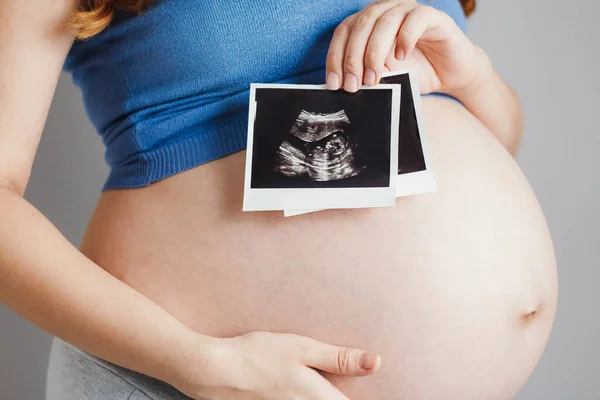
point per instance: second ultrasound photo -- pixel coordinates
(415, 170)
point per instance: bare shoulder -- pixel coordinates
(48, 17)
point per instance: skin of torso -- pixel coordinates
(456, 289)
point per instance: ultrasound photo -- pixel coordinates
(415, 171)
(410, 151)
(308, 145)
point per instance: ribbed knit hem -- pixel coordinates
(179, 156)
(184, 154)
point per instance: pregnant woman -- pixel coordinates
(176, 293)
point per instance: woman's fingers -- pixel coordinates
(347, 49)
(354, 68)
(355, 50)
(362, 43)
(337, 50)
(423, 22)
(338, 360)
(383, 37)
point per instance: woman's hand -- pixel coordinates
(391, 34)
(273, 366)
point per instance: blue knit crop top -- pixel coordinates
(168, 90)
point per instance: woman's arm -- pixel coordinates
(494, 103)
(42, 276)
(48, 281)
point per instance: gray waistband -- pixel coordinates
(74, 375)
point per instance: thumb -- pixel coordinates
(339, 360)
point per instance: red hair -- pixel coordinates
(91, 18)
(468, 6)
(94, 16)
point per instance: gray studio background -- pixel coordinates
(548, 51)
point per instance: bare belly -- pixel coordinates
(456, 290)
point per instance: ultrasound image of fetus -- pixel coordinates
(318, 147)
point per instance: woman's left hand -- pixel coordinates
(391, 34)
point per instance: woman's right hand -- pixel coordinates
(274, 366)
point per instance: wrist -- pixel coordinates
(190, 354)
(482, 73)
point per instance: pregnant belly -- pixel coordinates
(456, 290)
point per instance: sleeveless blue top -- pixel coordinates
(168, 90)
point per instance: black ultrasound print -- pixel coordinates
(318, 138)
(319, 147)
(410, 150)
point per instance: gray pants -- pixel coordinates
(76, 375)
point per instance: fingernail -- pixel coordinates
(370, 77)
(351, 83)
(333, 81)
(400, 53)
(368, 360)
